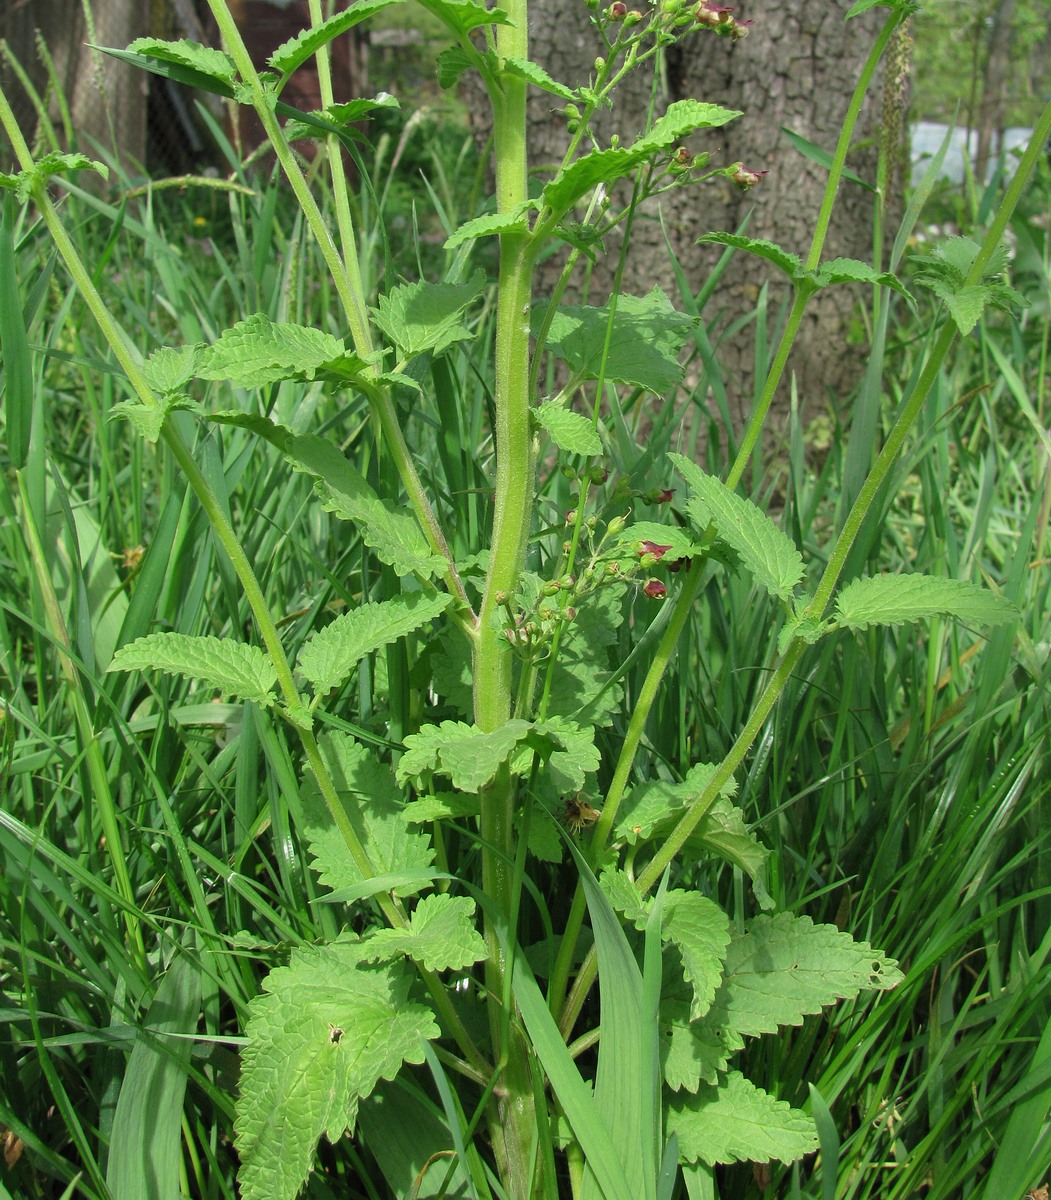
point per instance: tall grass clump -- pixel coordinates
(409, 787)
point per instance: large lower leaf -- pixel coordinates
(441, 935)
(374, 806)
(784, 967)
(736, 1122)
(325, 1031)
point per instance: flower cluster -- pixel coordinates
(721, 19)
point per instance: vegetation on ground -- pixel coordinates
(755, 730)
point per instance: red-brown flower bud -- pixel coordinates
(655, 589)
(746, 177)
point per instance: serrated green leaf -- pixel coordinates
(355, 110)
(536, 75)
(441, 935)
(738, 1122)
(862, 6)
(221, 663)
(621, 892)
(24, 182)
(570, 431)
(723, 831)
(957, 254)
(648, 334)
(393, 535)
(785, 967)
(321, 1036)
(328, 656)
(148, 419)
(852, 270)
(584, 174)
(453, 63)
(257, 351)
(606, 166)
(170, 368)
(765, 550)
(461, 16)
(701, 931)
(338, 117)
(693, 1052)
(426, 316)
(648, 808)
(373, 802)
(966, 305)
(897, 599)
(791, 264)
(441, 807)
(682, 118)
(293, 53)
(215, 64)
(545, 837)
(489, 225)
(567, 750)
(469, 757)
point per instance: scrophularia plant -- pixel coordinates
(442, 854)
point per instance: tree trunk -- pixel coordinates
(107, 100)
(994, 89)
(797, 69)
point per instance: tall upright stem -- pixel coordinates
(513, 1119)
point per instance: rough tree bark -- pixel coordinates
(797, 69)
(991, 116)
(107, 100)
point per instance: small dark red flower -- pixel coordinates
(655, 589)
(665, 495)
(653, 548)
(746, 177)
(713, 14)
(679, 564)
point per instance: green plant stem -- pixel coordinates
(340, 191)
(253, 592)
(513, 1123)
(347, 282)
(687, 594)
(823, 594)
